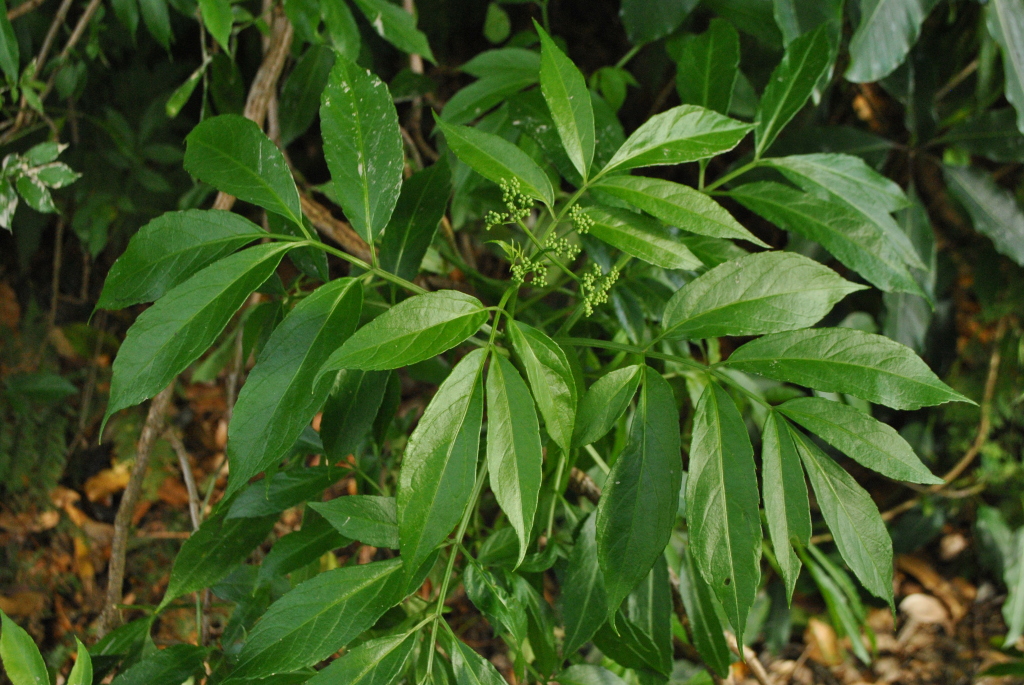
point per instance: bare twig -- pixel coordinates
(957, 79)
(583, 485)
(123, 520)
(186, 475)
(335, 229)
(58, 250)
(23, 9)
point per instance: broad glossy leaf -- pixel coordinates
(363, 146)
(796, 17)
(170, 666)
(992, 134)
(682, 134)
(649, 608)
(846, 360)
(806, 60)
(852, 517)
(366, 518)
(722, 505)
(630, 646)
(497, 160)
(170, 249)
(232, 154)
(413, 225)
(217, 18)
(415, 329)
(588, 674)
(677, 205)
(640, 236)
(529, 113)
(503, 610)
(786, 507)
(708, 66)
(761, 293)
(214, 550)
(22, 661)
(994, 211)
(81, 672)
(638, 507)
(603, 404)
(157, 20)
(583, 599)
(317, 618)
(514, 454)
(471, 668)
(300, 94)
(439, 465)
(518, 61)
(569, 101)
(851, 237)
(285, 489)
(280, 396)
(479, 97)
(848, 179)
(341, 28)
(350, 410)
(708, 632)
(396, 26)
(868, 441)
(300, 548)
(171, 334)
(375, 662)
(887, 31)
(550, 376)
(648, 20)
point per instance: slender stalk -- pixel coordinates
(731, 175)
(624, 60)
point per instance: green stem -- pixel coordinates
(557, 491)
(624, 60)
(731, 175)
(498, 311)
(541, 249)
(377, 271)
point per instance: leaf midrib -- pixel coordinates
(280, 201)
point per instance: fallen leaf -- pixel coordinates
(822, 643)
(172, 492)
(27, 603)
(108, 482)
(933, 582)
(10, 309)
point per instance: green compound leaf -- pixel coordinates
(887, 31)
(567, 96)
(81, 672)
(551, 380)
(396, 26)
(603, 404)
(300, 548)
(846, 360)
(583, 600)
(233, 155)
(170, 249)
(21, 658)
(175, 664)
(868, 441)
(171, 334)
(497, 160)
(682, 134)
(708, 67)
(640, 236)
(363, 146)
(350, 411)
(588, 674)
(708, 631)
(439, 466)
(413, 225)
(994, 211)
(722, 505)
(471, 668)
(375, 662)
(1005, 22)
(514, 455)
(761, 293)
(415, 329)
(640, 501)
(370, 520)
(280, 396)
(217, 18)
(677, 205)
(786, 506)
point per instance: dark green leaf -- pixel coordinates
(368, 519)
(503, 610)
(839, 609)
(569, 101)
(603, 404)
(994, 211)
(375, 662)
(760, 293)
(497, 25)
(170, 666)
(350, 410)
(682, 134)
(640, 501)
(232, 154)
(854, 239)
(519, 61)
(413, 225)
(852, 517)
(640, 236)
(415, 329)
(217, 18)
(992, 134)
(648, 20)
(708, 632)
(514, 453)
(677, 205)
(588, 674)
(887, 31)
(280, 395)
(22, 661)
(529, 113)
(300, 94)
(471, 668)
(342, 27)
(127, 12)
(214, 550)
(868, 441)
(722, 505)
(317, 618)
(363, 145)
(649, 608)
(300, 548)
(630, 646)
(285, 489)
(547, 369)
(9, 58)
(786, 507)
(479, 97)
(157, 20)
(171, 334)
(439, 465)
(396, 26)
(806, 60)
(708, 66)
(497, 160)
(1013, 608)
(796, 17)
(865, 365)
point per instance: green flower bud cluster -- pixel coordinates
(537, 267)
(580, 221)
(594, 287)
(561, 247)
(518, 204)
